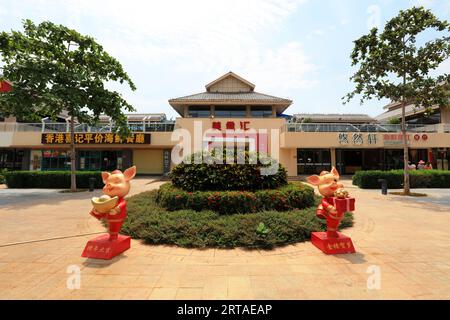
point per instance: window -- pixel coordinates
(199, 111)
(11, 159)
(55, 160)
(313, 161)
(261, 111)
(89, 160)
(230, 112)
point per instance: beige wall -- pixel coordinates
(148, 161)
(230, 84)
(445, 115)
(330, 140)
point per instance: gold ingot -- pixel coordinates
(105, 203)
(341, 193)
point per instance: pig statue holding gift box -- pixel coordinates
(335, 203)
(111, 207)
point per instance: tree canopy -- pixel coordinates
(393, 66)
(55, 69)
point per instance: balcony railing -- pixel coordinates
(65, 127)
(348, 127)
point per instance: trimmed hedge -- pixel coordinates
(188, 228)
(214, 174)
(51, 179)
(291, 196)
(418, 179)
(2, 175)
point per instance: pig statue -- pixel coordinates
(117, 186)
(334, 204)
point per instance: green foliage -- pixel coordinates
(392, 66)
(188, 228)
(394, 120)
(230, 202)
(418, 179)
(54, 69)
(213, 173)
(50, 179)
(2, 175)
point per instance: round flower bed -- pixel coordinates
(189, 228)
(288, 197)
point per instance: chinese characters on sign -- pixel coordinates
(394, 139)
(357, 138)
(95, 138)
(230, 125)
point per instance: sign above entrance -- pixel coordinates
(95, 138)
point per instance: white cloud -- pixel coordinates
(200, 37)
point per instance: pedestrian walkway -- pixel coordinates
(406, 240)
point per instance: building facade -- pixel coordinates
(230, 111)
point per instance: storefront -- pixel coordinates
(311, 161)
(14, 159)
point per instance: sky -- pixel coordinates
(296, 49)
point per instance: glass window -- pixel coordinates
(230, 111)
(261, 111)
(199, 111)
(313, 161)
(89, 160)
(55, 160)
(11, 159)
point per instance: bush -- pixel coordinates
(418, 179)
(188, 228)
(50, 179)
(228, 202)
(2, 175)
(208, 175)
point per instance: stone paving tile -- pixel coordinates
(407, 241)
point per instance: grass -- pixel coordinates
(202, 229)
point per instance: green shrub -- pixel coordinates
(2, 175)
(214, 174)
(50, 179)
(418, 179)
(188, 228)
(284, 198)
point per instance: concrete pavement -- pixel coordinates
(405, 240)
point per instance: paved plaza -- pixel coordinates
(43, 233)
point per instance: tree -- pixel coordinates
(392, 66)
(55, 69)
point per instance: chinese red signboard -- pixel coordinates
(231, 125)
(95, 138)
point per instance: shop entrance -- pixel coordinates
(105, 160)
(313, 161)
(348, 161)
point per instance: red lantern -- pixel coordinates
(424, 137)
(416, 137)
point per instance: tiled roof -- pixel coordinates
(397, 113)
(231, 96)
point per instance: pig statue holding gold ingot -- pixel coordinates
(112, 207)
(335, 203)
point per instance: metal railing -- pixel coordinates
(65, 127)
(348, 127)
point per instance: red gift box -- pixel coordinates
(344, 204)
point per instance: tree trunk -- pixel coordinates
(406, 189)
(73, 178)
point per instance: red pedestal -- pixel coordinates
(102, 248)
(341, 244)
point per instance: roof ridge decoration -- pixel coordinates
(227, 75)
